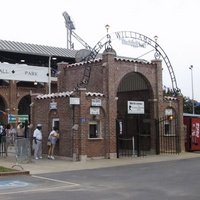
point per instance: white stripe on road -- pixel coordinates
(69, 185)
(56, 180)
(40, 190)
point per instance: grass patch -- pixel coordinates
(5, 169)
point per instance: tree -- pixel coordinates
(187, 102)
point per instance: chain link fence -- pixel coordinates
(23, 150)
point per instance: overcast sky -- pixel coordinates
(175, 22)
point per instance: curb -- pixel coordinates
(14, 173)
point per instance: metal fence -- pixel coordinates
(167, 139)
(134, 146)
(23, 150)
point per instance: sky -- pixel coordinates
(175, 22)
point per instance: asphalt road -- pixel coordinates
(175, 180)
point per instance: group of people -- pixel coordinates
(9, 133)
(51, 143)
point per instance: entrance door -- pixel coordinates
(134, 139)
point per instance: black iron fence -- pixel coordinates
(167, 139)
(138, 145)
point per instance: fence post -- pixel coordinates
(157, 136)
(133, 145)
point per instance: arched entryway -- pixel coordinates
(134, 129)
(3, 114)
(24, 106)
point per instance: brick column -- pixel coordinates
(13, 104)
(111, 108)
(83, 129)
(180, 125)
(157, 100)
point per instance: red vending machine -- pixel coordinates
(192, 139)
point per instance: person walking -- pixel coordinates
(52, 140)
(37, 137)
(8, 138)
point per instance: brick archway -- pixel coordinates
(3, 114)
(134, 130)
(24, 105)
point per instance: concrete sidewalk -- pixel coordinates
(48, 166)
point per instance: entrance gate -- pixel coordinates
(167, 140)
(138, 143)
(133, 136)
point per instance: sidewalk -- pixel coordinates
(48, 166)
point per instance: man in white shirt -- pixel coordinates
(37, 137)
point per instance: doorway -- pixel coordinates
(134, 130)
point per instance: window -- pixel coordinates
(94, 129)
(55, 123)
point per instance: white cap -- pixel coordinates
(39, 125)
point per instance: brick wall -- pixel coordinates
(105, 77)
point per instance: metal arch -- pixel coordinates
(106, 42)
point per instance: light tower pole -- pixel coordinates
(191, 68)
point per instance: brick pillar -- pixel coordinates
(83, 129)
(13, 104)
(111, 107)
(180, 125)
(157, 100)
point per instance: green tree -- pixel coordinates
(187, 102)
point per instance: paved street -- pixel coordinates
(177, 180)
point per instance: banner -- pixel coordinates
(23, 72)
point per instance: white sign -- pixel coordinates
(96, 102)
(22, 72)
(135, 107)
(94, 111)
(53, 105)
(74, 101)
(133, 43)
(168, 111)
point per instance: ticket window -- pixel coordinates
(55, 123)
(94, 129)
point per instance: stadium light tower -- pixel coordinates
(191, 68)
(70, 27)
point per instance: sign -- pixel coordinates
(135, 107)
(138, 40)
(22, 72)
(94, 111)
(168, 111)
(17, 118)
(133, 43)
(96, 102)
(74, 101)
(53, 105)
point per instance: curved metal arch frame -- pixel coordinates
(106, 42)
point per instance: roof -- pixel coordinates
(169, 98)
(42, 50)
(66, 94)
(120, 58)
(54, 95)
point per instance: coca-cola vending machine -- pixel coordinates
(192, 139)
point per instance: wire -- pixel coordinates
(145, 53)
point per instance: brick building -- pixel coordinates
(17, 61)
(122, 108)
